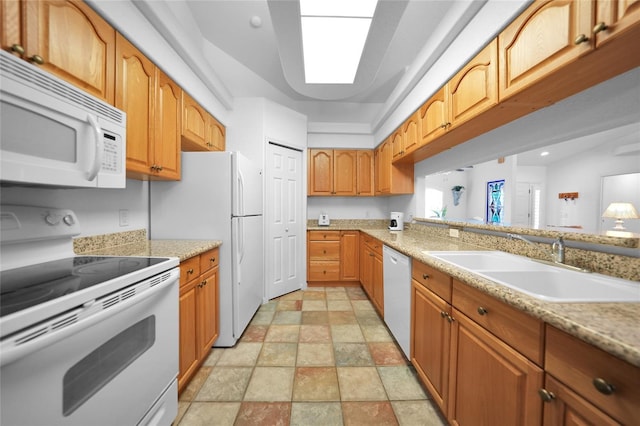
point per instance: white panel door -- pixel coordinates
(285, 254)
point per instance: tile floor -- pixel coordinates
(316, 357)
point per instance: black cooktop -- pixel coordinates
(22, 288)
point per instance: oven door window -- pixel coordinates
(97, 369)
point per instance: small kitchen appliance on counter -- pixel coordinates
(323, 220)
(396, 222)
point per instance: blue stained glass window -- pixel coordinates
(495, 201)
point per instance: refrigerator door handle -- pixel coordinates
(240, 194)
(240, 240)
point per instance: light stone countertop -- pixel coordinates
(613, 327)
(182, 249)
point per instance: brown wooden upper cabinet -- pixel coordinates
(614, 17)
(152, 103)
(433, 117)
(200, 130)
(410, 131)
(340, 172)
(545, 37)
(65, 38)
(391, 178)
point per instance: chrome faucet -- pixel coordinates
(557, 248)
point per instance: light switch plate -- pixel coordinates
(454, 233)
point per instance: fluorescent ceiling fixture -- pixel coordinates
(544, 153)
(333, 36)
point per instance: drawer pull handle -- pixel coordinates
(582, 38)
(600, 26)
(603, 387)
(190, 271)
(213, 259)
(443, 314)
(482, 311)
(425, 276)
(546, 396)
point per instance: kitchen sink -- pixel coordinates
(542, 281)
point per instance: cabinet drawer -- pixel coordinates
(209, 260)
(434, 280)
(324, 235)
(374, 244)
(577, 364)
(324, 271)
(519, 330)
(324, 250)
(189, 269)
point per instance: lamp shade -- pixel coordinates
(620, 211)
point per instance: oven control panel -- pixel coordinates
(27, 223)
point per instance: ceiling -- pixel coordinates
(272, 50)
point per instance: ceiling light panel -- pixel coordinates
(334, 33)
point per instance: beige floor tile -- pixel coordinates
(401, 383)
(278, 354)
(182, 408)
(254, 333)
(314, 295)
(360, 384)
(337, 294)
(243, 354)
(315, 354)
(376, 333)
(352, 355)
(213, 357)
(362, 305)
(289, 305)
(342, 318)
(283, 333)
(368, 318)
(315, 334)
(211, 414)
(287, 317)
(414, 413)
(347, 333)
(264, 413)
(195, 384)
(225, 384)
(316, 384)
(270, 384)
(269, 306)
(386, 353)
(314, 305)
(316, 414)
(315, 288)
(315, 318)
(295, 295)
(339, 305)
(262, 318)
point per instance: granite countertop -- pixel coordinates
(182, 249)
(613, 327)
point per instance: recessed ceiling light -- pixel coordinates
(544, 153)
(255, 21)
(334, 33)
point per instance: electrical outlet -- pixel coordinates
(124, 217)
(454, 233)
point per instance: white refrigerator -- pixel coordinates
(218, 198)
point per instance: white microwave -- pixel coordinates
(53, 133)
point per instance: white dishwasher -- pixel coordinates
(397, 296)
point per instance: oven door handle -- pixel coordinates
(88, 315)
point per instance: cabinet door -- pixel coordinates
(433, 118)
(566, 408)
(344, 172)
(384, 167)
(194, 125)
(489, 382)
(430, 339)
(73, 42)
(320, 172)
(474, 89)
(366, 267)
(11, 25)
(614, 17)
(541, 40)
(166, 146)
(216, 135)
(134, 95)
(410, 137)
(364, 167)
(377, 283)
(349, 258)
(188, 352)
(207, 312)
(397, 144)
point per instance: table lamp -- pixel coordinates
(620, 211)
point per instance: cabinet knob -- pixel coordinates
(37, 59)
(582, 38)
(16, 48)
(190, 271)
(603, 386)
(425, 276)
(600, 26)
(203, 283)
(324, 252)
(159, 168)
(482, 311)
(545, 395)
(213, 259)
(443, 314)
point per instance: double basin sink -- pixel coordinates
(542, 281)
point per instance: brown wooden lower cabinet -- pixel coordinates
(199, 301)
(333, 257)
(371, 271)
(485, 362)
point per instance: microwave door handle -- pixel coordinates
(97, 158)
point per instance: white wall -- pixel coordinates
(97, 209)
(349, 207)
